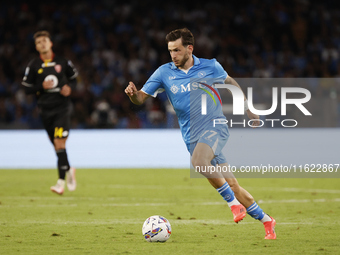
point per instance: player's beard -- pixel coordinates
(183, 61)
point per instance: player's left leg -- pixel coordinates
(64, 169)
(63, 163)
(61, 132)
(253, 209)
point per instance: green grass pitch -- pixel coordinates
(106, 213)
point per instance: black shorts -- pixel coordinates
(57, 120)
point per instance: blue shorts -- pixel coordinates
(216, 138)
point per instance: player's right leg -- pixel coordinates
(48, 119)
(64, 169)
(201, 159)
(253, 209)
(241, 194)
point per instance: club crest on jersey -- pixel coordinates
(174, 89)
(57, 68)
(201, 74)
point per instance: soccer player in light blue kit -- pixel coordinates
(180, 78)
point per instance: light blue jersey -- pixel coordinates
(185, 91)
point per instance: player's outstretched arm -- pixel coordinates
(251, 115)
(136, 96)
(230, 80)
(255, 117)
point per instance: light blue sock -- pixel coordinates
(226, 192)
(255, 211)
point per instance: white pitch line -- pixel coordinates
(322, 200)
(147, 187)
(40, 205)
(158, 187)
(140, 221)
(330, 191)
(327, 191)
(221, 222)
(60, 198)
(176, 204)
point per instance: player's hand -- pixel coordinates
(65, 90)
(254, 117)
(48, 84)
(131, 89)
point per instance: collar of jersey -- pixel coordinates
(47, 60)
(196, 62)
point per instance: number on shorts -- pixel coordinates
(212, 134)
(58, 132)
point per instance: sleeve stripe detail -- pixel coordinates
(26, 84)
(74, 76)
(149, 94)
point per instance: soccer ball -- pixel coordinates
(156, 229)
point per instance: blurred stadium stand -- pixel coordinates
(113, 42)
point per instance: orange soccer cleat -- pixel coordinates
(239, 212)
(269, 227)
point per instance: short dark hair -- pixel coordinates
(41, 33)
(184, 33)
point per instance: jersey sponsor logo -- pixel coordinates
(174, 89)
(48, 64)
(40, 70)
(172, 77)
(57, 68)
(191, 86)
(194, 86)
(185, 88)
(53, 78)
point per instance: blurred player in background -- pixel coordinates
(204, 142)
(51, 78)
